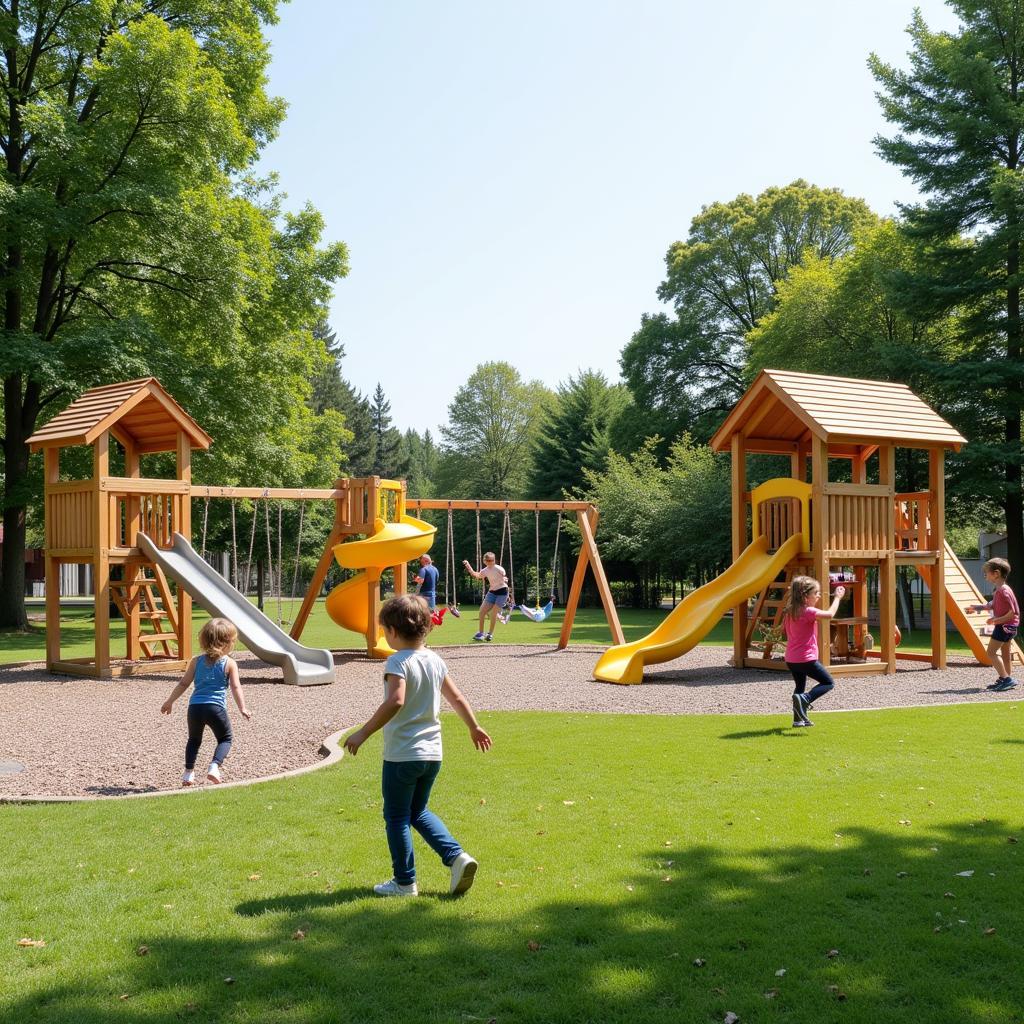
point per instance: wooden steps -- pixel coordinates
(139, 597)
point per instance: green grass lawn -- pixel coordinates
(632, 869)
(590, 627)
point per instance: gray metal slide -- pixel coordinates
(302, 666)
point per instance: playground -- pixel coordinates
(473, 642)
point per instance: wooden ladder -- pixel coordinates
(140, 592)
(770, 607)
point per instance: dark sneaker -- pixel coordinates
(998, 682)
(1006, 684)
(488, 636)
(479, 636)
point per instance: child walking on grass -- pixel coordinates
(1005, 618)
(213, 673)
(415, 678)
(800, 623)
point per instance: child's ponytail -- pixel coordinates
(800, 590)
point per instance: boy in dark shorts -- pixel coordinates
(1005, 618)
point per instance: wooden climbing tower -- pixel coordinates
(96, 521)
(841, 435)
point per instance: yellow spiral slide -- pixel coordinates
(348, 604)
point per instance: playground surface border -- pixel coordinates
(83, 738)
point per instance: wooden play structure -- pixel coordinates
(820, 423)
(97, 521)
(129, 528)
(788, 526)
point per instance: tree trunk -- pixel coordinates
(17, 429)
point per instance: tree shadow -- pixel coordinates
(869, 926)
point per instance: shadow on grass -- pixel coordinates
(869, 927)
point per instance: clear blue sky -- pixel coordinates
(508, 177)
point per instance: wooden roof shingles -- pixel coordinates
(158, 418)
(835, 409)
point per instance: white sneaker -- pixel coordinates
(463, 873)
(189, 778)
(213, 772)
(394, 888)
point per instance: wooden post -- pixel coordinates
(887, 569)
(131, 571)
(401, 571)
(100, 557)
(372, 578)
(739, 542)
(819, 538)
(937, 533)
(51, 474)
(587, 522)
(184, 467)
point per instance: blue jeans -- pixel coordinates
(406, 787)
(802, 669)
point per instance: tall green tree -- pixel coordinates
(389, 460)
(575, 433)
(492, 422)
(332, 391)
(685, 370)
(959, 115)
(133, 239)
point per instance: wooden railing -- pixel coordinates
(857, 517)
(153, 507)
(70, 515)
(779, 519)
(913, 522)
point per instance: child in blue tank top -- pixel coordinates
(212, 674)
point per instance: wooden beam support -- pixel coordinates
(937, 535)
(819, 537)
(887, 568)
(184, 471)
(739, 542)
(101, 565)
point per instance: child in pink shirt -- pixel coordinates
(800, 624)
(1005, 618)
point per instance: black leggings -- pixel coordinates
(802, 669)
(199, 717)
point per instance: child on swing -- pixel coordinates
(1005, 618)
(497, 592)
(800, 624)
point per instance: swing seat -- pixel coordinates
(454, 612)
(537, 614)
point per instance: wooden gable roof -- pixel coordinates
(782, 407)
(140, 411)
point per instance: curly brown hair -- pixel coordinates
(408, 615)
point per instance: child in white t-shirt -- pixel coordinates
(497, 592)
(415, 678)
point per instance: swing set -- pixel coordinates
(589, 556)
(135, 533)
